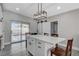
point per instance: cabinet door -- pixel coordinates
(31, 45)
(40, 28)
(46, 27)
(40, 48)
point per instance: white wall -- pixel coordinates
(8, 18)
(68, 26)
(0, 12)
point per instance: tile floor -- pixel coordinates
(19, 49)
(16, 49)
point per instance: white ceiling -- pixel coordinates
(28, 9)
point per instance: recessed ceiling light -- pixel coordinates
(58, 7)
(17, 9)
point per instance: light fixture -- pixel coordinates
(58, 7)
(17, 9)
(41, 15)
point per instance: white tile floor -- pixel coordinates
(17, 49)
(17, 38)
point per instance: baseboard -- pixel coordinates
(13, 42)
(74, 48)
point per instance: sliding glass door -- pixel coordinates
(25, 29)
(18, 31)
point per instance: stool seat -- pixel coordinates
(58, 51)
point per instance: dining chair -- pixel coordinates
(58, 51)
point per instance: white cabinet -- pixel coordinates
(40, 28)
(40, 48)
(35, 47)
(46, 27)
(31, 45)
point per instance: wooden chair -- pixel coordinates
(58, 51)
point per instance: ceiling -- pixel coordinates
(28, 9)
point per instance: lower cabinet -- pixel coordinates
(31, 46)
(40, 48)
(36, 47)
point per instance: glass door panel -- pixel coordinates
(16, 31)
(25, 29)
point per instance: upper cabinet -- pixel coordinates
(40, 28)
(1, 13)
(46, 27)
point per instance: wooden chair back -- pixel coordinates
(69, 47)
(68, 50)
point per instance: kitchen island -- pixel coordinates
(39, 45)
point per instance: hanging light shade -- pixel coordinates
(41, 15)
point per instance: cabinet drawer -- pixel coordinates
(40, 51)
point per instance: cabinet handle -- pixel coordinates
(39, 42)
(39, 47)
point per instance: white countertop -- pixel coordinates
(48, 39)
